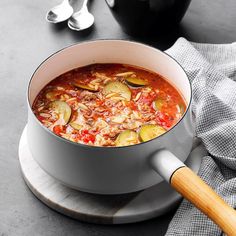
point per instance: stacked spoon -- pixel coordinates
(78, 21)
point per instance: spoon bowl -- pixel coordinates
(60, 12)
(81, 19)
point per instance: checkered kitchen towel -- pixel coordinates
(212, 71)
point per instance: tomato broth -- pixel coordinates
(109, 105)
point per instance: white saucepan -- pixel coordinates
(116, 170)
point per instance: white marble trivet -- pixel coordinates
(102, 209)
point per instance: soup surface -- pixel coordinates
(109, 105)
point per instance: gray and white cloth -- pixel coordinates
(212, 72)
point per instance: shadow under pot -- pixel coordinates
(139, 17)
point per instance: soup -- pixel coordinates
(109, 105)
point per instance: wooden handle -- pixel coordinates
(194, 189)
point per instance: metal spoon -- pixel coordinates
(60, 12)
(81, 19)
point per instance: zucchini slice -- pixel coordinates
(149, 131)
(181, 108)
(126, 138)
(53, 95)
(158, 104)
(62, 108)
(84, 86)
(76, 126)
(136, 82)
(119, 88)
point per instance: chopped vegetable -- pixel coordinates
(127, 137)
(53, 95)
(62, 108)
(119, 88)
(158, 104)
(76, 126)
(87, 137)
(136, 82)
(181, 108)
(124, 74)
(149, 131)
(86, 87)
(58, 129)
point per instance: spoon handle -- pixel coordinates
(66, 2)
(84, 4)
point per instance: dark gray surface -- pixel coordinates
(27, 39)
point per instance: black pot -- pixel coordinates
(147, 16)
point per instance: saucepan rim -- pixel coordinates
(100, 40)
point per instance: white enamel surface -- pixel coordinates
(97, 169)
